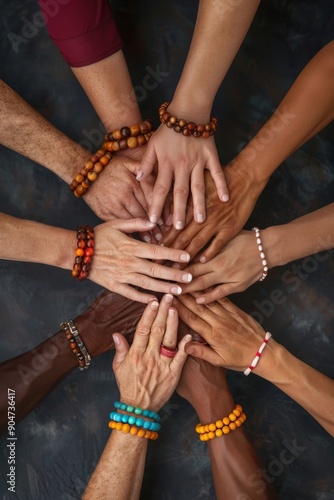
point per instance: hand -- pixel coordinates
(224, 221)
(120, 261)
(233, 335)
(184, 160)
(108, 312)
(235, 267)
(145, 377)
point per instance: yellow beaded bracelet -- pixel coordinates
(135, 431)
(221, 426)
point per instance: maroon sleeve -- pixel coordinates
(83, 30)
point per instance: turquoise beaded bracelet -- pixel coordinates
(137, 410)
(132, 420)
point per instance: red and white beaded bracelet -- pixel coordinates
(258, 354)
(262, 255)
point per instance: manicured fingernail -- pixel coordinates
(188, 337)
(169, 298)
(158, 236)
(185, 257)
(178, 225)
(146, 238)
(201, 300)
(154, 219)
(199, 218)
(139, 175)
(202, 259)
(171, 312)
(177, 290)
(150, 223)
(160, 221)
(187, 277)
(224, 197)
(116, 339)
(154, 305)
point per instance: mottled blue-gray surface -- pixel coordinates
(60, 442)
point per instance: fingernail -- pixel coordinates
(154, 305)
(150, 224)
(202, 259)
(160, 222)
(177, 290)
(146, 238)
(185, 257)
(171, 312)
(187, 277)
(199, 218)
(178, 225)
(225, 197)
(201, 300)
(188, 337)
(139, 175)
(158, 236)
(169, 298)
(116, 339)
(154, 219)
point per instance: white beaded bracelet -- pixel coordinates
(258, 354)
(262, 255)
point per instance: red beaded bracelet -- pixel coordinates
(186, 128)
(84, 252)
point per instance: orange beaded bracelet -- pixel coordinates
(221, 426)
(90, 172)
(135, 431)
(186, 128)
(128, 137)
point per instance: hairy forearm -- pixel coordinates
(296, 119)
(119, 473)
(25, 131)
(30, 241)
(304, 236)
(219, 31)
(308, 387)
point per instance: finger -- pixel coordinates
(181, 356)
(160, 323)
(222, 238)
(218, 293)
(158, 252)
(198, 194)
(135, 208)
(143, 330)
(201, 283)
(154, 285)
(181, 193)
(160, 192)
(229, 306)
(147, 163)
(170, 337)
(122, 349)
(157, 271)
(202, 311)
(190, 318)
(204, 352)
(218, 178)
(133, 294)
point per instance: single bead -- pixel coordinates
(73, 185)
(202, 437)
(115, 146)
(123, 406)
(87, 259)
(86, 183)
(79, 178)
(110, 424)
(147, 424)
(237, 412)
(92, 176)
(135, 130)
(264, 262)
(104, 160)
(232, 417)
(125, 428)
(89, 251)
(100, 153)
(205, 134)
(191, 126)
(89, 165)
(123, 144)
(132, 142)
(146, 413)
(73, 345)
(118, 417)
(237, 422)
(207, 428)
(85, 268)
(226, 429)
(125, 419)
(177, 129)
(138, 411)
(130, 408)
(117, 134)
(132, 420)
(148, 434)
(133, 431)
(94, 158)
(169, 125)
(182, 123)
(173, 119)
(83, 172)
(149, 124)
(90, 243)
(125, 132)
(143, 128)
(212, 427)
(81, 190)
(212, 435)
(98, 167)
(141, 140)
(79, 252)
(260, 248)
(139, 422)
(141, 433)
(219, 432)
(219, 424)
(109, 146)
(165, 116)
(81, 244)
(78, 260)
(186, 132)
(258, 241)
(200, 128)
(239, 407)
(118, 426)
(226, 420)
(197, 428)
(208, 127)
(262, 255)
(197, 134)
(232, 426)
(74, 273)
(117, 404)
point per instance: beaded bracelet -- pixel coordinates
(258, 354)
(184, 127)
(84, 252)
(127, 429)
(262, 255)
(90, 172)
(137, 410)
(128, 137)
(221, 426)
(132, 420)
(76, 344)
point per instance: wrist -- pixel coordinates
(190, 108)
(272, 363)
(215, 407)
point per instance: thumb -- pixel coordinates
(203, 352)
(122, 349)
(147, 164)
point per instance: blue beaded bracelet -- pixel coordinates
(138, 411)
(132, 420)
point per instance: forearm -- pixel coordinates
(30, 241)
(219, 31)
(33, 375)
(308, 387)
(296, 119)
(304, 236)
(25, 131)
(119, 473)
(234, 462)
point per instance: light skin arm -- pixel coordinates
(215, 322)
(281, 244)
(219, 31)
(295, 121)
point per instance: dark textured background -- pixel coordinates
(60, 442)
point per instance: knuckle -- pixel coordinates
(198, 242)
(158, 329)
(143, 330)
(160, 189)
(181, 191)
(202, 283)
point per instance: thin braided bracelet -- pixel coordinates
(76, 344)
(258, 354)
(262, 255)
